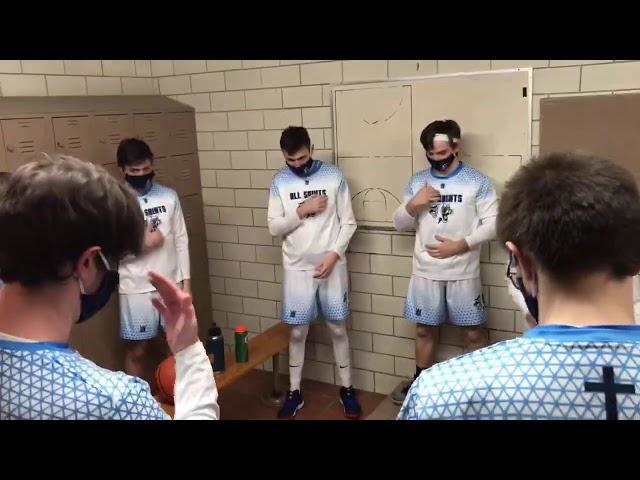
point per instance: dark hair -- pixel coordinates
(574, 214)
(4, 179)
(133, 151)
(448, 127)
(54, 209)
(294, 138)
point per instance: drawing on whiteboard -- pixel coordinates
(387, 118)
(375, 204)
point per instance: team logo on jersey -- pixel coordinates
(433, 211)
(445, 211)
(292, 314)
(479, 302)
(418, 312)
(155, 222)
(344, 298)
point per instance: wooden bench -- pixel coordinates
(267, 344)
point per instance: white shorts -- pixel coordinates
(302, 293)
(139, 319)
(434, 302)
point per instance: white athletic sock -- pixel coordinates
(297, 342)
(340, 341)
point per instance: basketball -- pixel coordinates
(165, 377)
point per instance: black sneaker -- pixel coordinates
(291, 405)
(352, 408)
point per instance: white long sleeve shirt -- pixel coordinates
(308, 240)
(467, 209)
(161, 207)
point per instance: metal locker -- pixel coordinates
(73, 137)
(193, 212)
(24, 137)
(182, 133)
(100, 337)
(163, 172)
(152, 128)
(114, 170)
(109, 131)
(186, 174)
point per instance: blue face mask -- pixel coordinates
(92, 303)
(530, 300)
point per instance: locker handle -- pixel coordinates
(9, 149)
(59, 145)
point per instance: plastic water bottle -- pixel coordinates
(242, 345)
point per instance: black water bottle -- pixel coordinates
(215, 348)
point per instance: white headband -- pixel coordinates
(443, 137)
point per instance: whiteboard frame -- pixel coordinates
(407, 81)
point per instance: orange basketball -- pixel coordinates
(165, 378)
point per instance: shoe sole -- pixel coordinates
(294, 412)
(350, 416)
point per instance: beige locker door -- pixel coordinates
(109, 131)
(604, 125)
(24, 137)
(73, 137)
(100, 336)
(182, 133)
(193, 212)
(152, 128)
(4, 165)
(200, 284)
(164, 172)
(114, 170)
(185, 173)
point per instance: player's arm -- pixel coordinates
(196, 395)
(181, 237)
(195, 392)
(348, 224)
(487, 211)
(405, 218)
(348, 227)
(279, 221)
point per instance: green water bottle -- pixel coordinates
(242, 344)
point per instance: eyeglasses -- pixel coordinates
(512, 273)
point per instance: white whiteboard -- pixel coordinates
(377, 130)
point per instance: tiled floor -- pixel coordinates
(242, 400)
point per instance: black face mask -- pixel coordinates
(529, 300)
(139, 182)
(442, 165)
(302, 170)
(92, 303)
